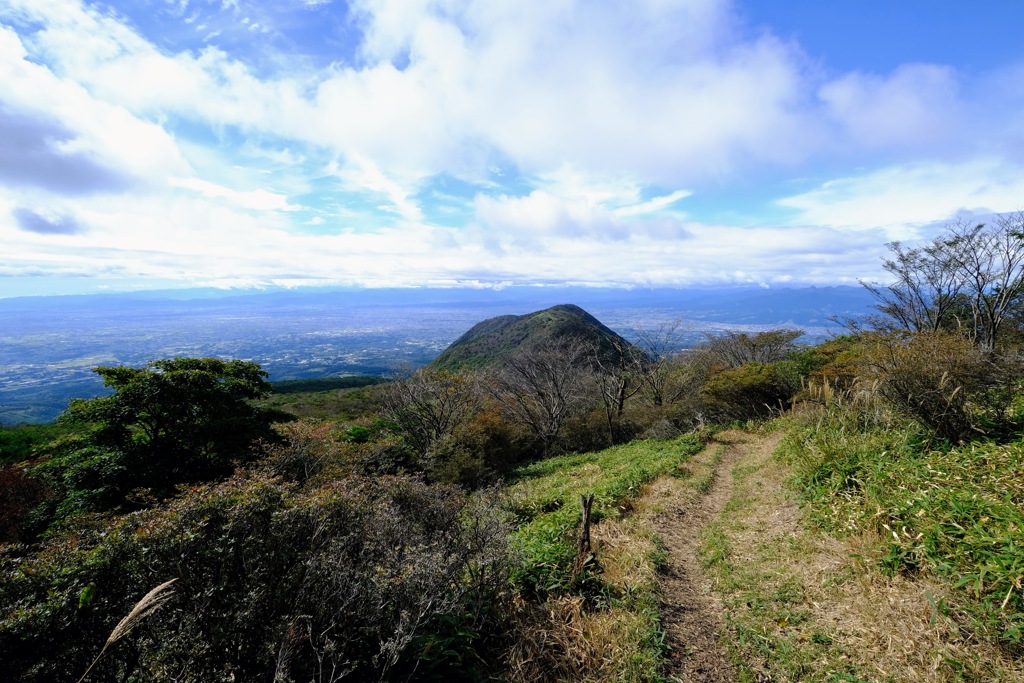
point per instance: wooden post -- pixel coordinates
(584, 552)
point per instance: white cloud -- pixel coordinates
(605, 118)
(197, 238)
(256, 200)
(363, 174)
(87, 130)
(654, 205)
(661, 90)
(901, 199)
(917, 104)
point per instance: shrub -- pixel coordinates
(19, 495)
(175, 421)
(754, 390)
(484, 447)
(943, 381)
(373, 579)
(21, 442)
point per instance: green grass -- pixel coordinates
(20, 442)
(546, 499)
(613, 632)
(957, 513)
(768, 615)
(296, 386)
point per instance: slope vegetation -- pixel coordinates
(497, 339)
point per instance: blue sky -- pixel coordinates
(250, 143)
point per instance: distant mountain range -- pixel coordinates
(753, 305)
(48, 345)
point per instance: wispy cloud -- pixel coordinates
(257, 200)
(583, 142)
(902, 199)
(46, 222)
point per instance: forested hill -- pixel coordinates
(496, 339)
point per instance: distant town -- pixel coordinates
(49, 345)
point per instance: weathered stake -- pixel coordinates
(584, 552)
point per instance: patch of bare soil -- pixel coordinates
(691, 615)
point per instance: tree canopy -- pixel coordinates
(174, 421)
(968, 280)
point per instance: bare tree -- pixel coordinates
(989, 261)
(544, 387)
(969, 280)
(735, 349)
(619, 377)
(661, 345)
(925, 293)
(428, 405)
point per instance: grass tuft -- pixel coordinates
(611, 631)
(545, 500)
(150, 602)
(957, 513)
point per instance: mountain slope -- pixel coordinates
(495, 340)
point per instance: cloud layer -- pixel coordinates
(438, 141)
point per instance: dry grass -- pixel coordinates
(615, 633)
(563, 640)
(568, 638)
(628, 553)
(150, 602)
(607, 628)
(805, 606)
(902, 628)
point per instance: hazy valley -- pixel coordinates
(49, 345)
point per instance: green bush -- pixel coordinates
(751, 391)
(943, 381)
(378, 579)
(175, 421)
(21, 442)
(19, 496)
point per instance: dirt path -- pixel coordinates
(691, 615)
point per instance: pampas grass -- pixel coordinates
(150, 602)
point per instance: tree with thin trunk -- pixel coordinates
(968, 280)
(736, 349)
(545, 386)
(925, 294)
(661, 344)
(989, 261)
(428, 405)
(619, 377)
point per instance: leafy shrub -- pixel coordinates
(754, 390)
(175, 421)
(943, 381)
(481, 449)
(309, 449)
(21, 442)
(318, 452)
(835, 362)
(19, 495)
(375, 580)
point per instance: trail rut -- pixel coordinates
(691, 615)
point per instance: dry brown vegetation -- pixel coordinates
(803, 605)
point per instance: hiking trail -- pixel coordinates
(691, 615)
